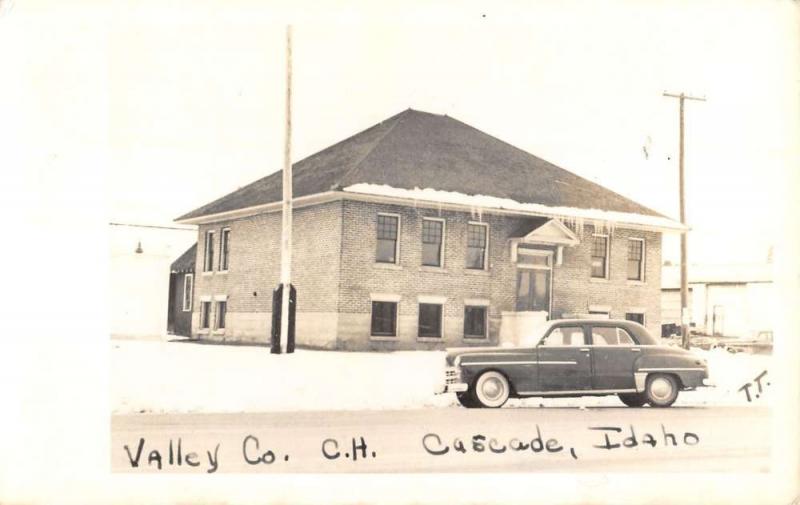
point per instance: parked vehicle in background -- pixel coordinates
(703, 342)
(576, 357)
(761, 344)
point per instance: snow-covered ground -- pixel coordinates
(162, 376)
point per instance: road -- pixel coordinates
(447, 440)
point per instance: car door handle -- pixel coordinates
(584, 349)
(634, 349)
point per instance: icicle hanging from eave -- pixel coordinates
(604, 226)
(575, 223)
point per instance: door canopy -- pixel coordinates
(550, 233)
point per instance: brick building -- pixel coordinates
(497, 240)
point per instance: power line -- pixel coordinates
(684, 273)
(131, 225)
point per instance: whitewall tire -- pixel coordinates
(492, 389)
(661, 390)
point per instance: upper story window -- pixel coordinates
(388, 227)
(208, 259)
(635, 259)
(476, 245)
(188, 285)
(600, 257)
(224, 244)
(432, 242)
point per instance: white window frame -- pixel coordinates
(607, 266)
(535, 252)
(397, 242)
(222, 253)
(208, 246)
(188, 307)
(441, 245)
(642, 263)
(485, 247)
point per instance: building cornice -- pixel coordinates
(331, 196)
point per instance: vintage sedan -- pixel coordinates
(576, 357)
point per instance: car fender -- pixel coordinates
(689, 369)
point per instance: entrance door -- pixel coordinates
(534, 273)
(533, 290)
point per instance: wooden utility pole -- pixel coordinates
(684, 270)
(286, 227)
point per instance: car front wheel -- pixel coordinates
(633, 399)
(492, 389)
(466, 400)
(661, 390)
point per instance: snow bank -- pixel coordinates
(152, 376)
(598, 217)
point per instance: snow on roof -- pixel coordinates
(604, 218)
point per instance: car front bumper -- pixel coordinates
(452, 382)
(456, 387)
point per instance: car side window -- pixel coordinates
(611, 335)
(564, 336)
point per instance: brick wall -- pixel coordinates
(254, 271)
(573, 289)
(335, 273)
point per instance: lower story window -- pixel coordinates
(222, 308)
(205, 315)
(430, 320)
(474, 322)
(637, 317)
(384, 319)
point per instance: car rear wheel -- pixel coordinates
(633, 399)
(492, 389)
(661, 390)
(466, 400)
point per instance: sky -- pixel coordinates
(163, 107)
